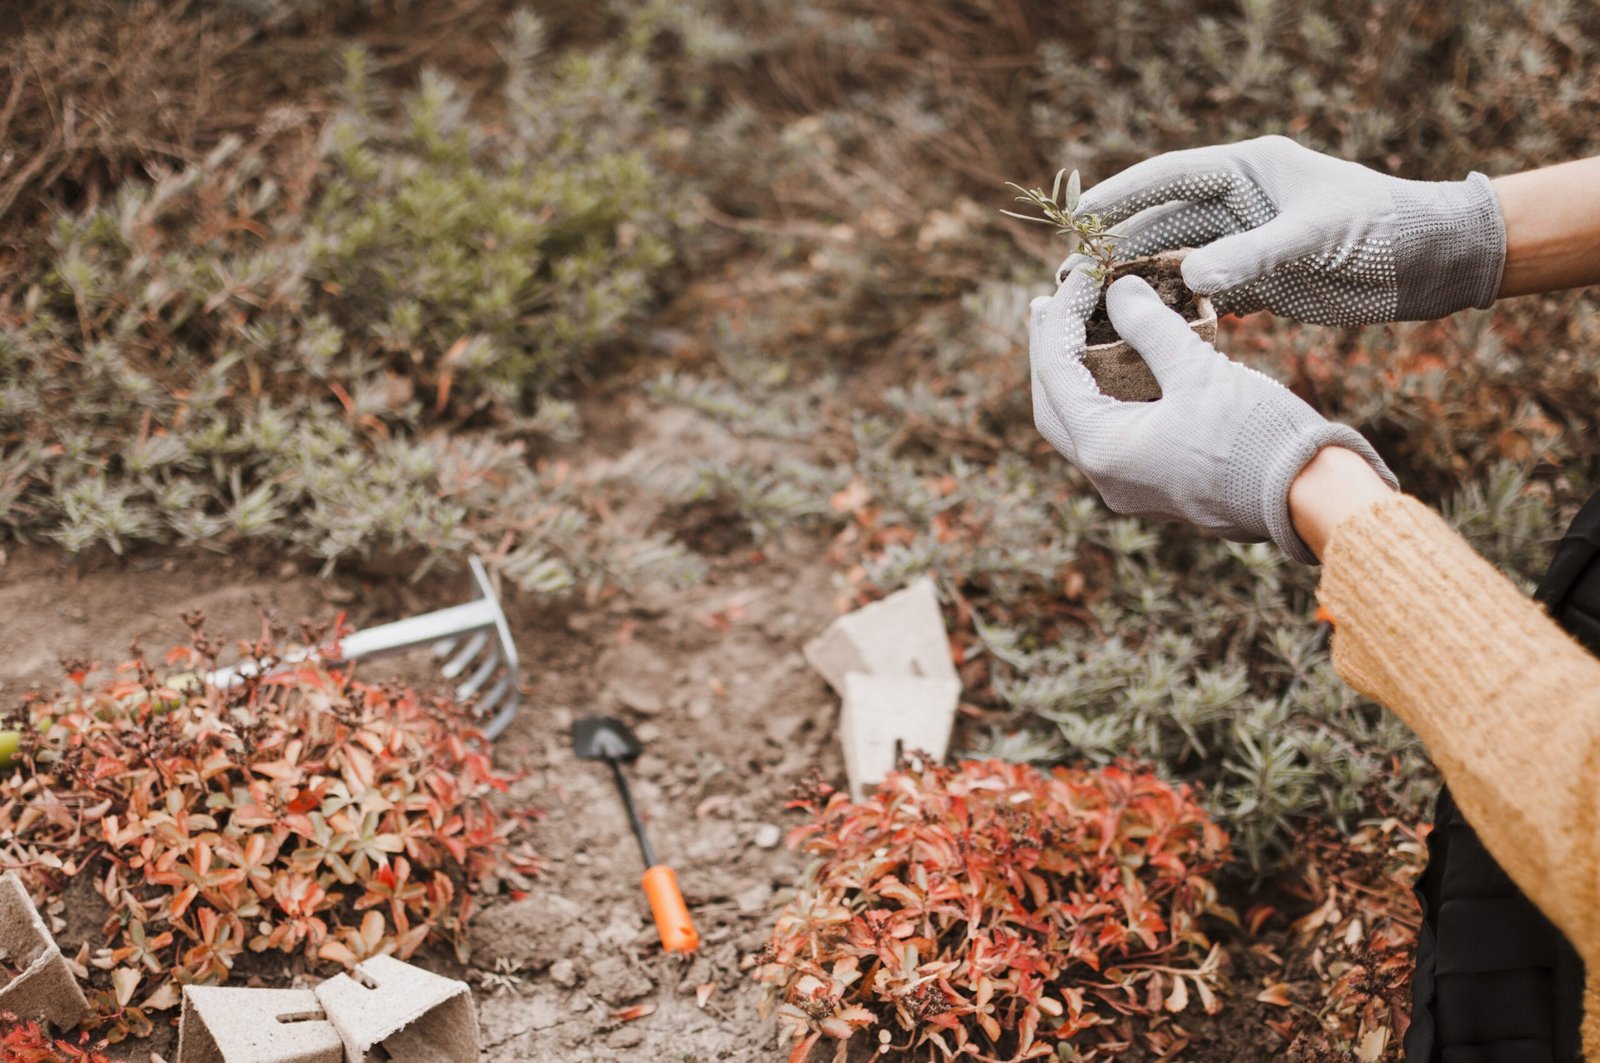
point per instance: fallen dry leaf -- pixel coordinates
(851, 498)
(714, 803)
(638, 1011)
(124, 980)
(1257, 916)
(1277, 994)
(702, 993)
(164, 998)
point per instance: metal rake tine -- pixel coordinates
(489, 701)
(458, 664)
(505, 697)
(503, 700)
(458, 632)
(479, 677)
(492, 696)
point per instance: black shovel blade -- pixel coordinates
(603, 738)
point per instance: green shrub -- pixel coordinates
(490, 259)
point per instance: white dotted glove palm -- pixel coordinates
(1219, 449)
(1283, 228)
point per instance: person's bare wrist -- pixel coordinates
(1552, 227)
(1333, 485)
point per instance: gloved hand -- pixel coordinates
(1280, 227)
(1218, 449)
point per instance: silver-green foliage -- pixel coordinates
(226, 353)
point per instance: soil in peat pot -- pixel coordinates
(1165, 277)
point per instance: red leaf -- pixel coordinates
(803, 1049)
(1276, 994)
(638, 1011)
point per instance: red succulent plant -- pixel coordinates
(991, 911)
(305, 812)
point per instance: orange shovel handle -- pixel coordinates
(671, 913)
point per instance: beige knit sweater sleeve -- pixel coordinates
(1506, 703)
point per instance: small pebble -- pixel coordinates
(781, 729)
(768, 835)
(638, 697)
(753, 898)
(625, 1037)
(564, 973)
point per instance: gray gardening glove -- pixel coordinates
(1280, 227)
(1218, 449)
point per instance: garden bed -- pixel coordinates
(712, 680)
(787, 378)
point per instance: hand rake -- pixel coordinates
(471, 639)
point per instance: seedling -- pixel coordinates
(1060, 208)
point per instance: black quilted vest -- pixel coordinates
(1495, 981)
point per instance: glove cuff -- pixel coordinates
(1275, 485)
(1451, 249)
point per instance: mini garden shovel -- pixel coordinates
(602, 738)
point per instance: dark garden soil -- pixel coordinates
(1165, 278)
(713, 682)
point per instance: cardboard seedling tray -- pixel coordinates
(45, 988)
(392, 1010)
(890, 662)
(223, 1025)
(1118, 368)
(885, 715)
(901, 635)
